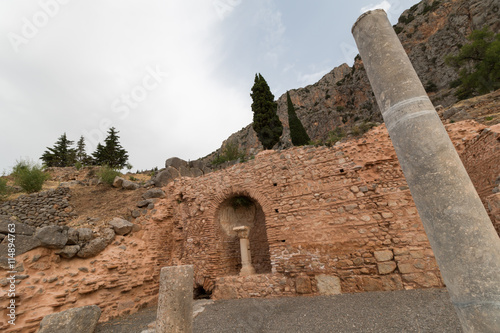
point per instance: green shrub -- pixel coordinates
(78, 165)
(488, 118)
(4, 189)
(29, 176)
(336, 135)
(229, 153)
(431, 87)
(108, 174)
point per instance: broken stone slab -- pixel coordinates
(303, 284)
(52, 236)
(69, 251)
(92, 248)
(384, 255)
(121, 226)
(77, 320)
(153, 193)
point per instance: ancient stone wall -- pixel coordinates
(40, 209)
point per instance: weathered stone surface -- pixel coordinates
(84, 235)
(153, 193)
(386, 267)
(118, 182)
(121, 226)
(52, 237)
(78, 320)
(20, 228)
(175, 162)
(129, 185)
(69, 251)
(108, 234)
(175, 300)
(303, 284)
(92, 248)
(384, 255)
(328, 285)
(23, 244)
(72, 236)
(144, 203)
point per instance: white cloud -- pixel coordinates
(306, 79)
(385, 5)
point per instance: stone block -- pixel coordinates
(175, 300)
(384, 255)
(129, 185)
(153, 193)
(407, 268)
(303, 285)
(386, 267)
(84, 235)
(80, 320)
(93, 248)
(69, 251)
(328, 285)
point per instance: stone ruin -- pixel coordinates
(320, 221)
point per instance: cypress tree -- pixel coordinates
(266, 122)
(297, 131)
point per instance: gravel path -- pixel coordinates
(396, 311)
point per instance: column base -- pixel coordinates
(247, 270)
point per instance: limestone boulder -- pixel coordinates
(153, 193)
(165, 176)
(52, 237)
(118, 182)
(175, 162)
(84, 235)
(129, 185)
(78, 320)
(69, 251)
(121, 226)
(92, 248)
(108, 235)
(72, 236)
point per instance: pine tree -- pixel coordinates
(61, 155)
(80, 154)
(266, 122)
(111, 153)
(478, 64)
(297, 131)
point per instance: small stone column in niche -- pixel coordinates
(246, 259)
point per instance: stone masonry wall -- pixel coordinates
(40, 209)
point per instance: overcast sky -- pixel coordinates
(173, 77)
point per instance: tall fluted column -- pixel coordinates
(463, 239)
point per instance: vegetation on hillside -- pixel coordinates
(266, 122)
(111, 153)
(478, 64)
(298, 133)
(29, 176)
(229, 153)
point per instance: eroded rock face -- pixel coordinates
(79, 320)
(176, 163)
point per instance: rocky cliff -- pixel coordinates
(429, 31)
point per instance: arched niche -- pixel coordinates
(242, 210)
